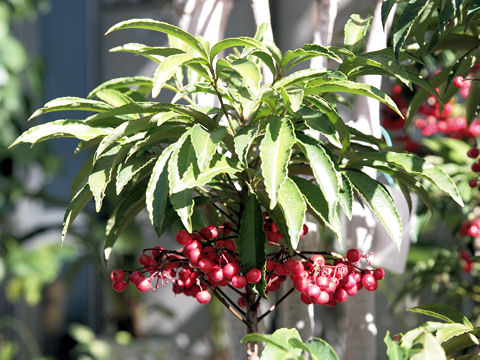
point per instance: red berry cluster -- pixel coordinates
(463, 84)
(328, 280)
(473, 154)
(467, 261)
(209, 261)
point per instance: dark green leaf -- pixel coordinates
(442, 312)
(77, 203)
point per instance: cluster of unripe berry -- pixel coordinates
(208, 261)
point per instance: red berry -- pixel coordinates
(472, 183)
(119, 286)
(322, 282)
(210, 232)
(144, 285)
(135, 277)
(205, 264)
(318, 259)
(476, 167)
(117, 275)
(183, 237)
(253, 276)
(341, 295)
(217, 273)
(304, 230)
(313, 291)
(473, 153)
(307, 300)
(231, 269)
(352, 291)
(369, 282)
(322, 298)
(146, 260)
(203, 297)
(458, 81)
(300, 283)
(242, 302)
(353, 255)
(239, 281)
(379, 273)
(226, 227)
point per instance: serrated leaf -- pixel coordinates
(449, 331)
(296, 98)
(394, 351)
(156, 196)
(126, 171)
(319, 349)
(167, 69)
(415, 165)
(442, 312)
(320, 122)
(404, 24)
(205, 144)
(346, 197)
(163, 27)
(323, 169)
(123, 214)
(71, 103)
(252, 238)
(307, 52)
(315, 199)
(379, 201)
(243, 140)
(275, 151)
(294, 208)
(61, 128)
(355, 31)
(77, 203)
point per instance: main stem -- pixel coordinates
(252, 324)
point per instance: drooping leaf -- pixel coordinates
(252, 238)
(294, 209)
(321, 350)
(61, 128)
(387, 6)
(239, 41)
(163, 27)
(324, 170)
(275, 150)
(379, 201)
(77, 203)
(243, 140)
(126, 171)
(122, 82)
(442, 312)
(123, 214)
(346, 197)
(156, 196)
(432, 350)
(71, 103)
(404, 24)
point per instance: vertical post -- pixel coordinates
(324, 19)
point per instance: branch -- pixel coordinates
(229, 307)
(274, 306)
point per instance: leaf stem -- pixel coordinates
(274, 306)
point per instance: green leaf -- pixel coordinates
(404, 24)
(252, 238)
(205, 144)
(298, 77)
(123, 214)
(167, 68)
(278, 345)
(442, 312)
(127, 170)
(320, 122)
(387, 6)
(324, 170)
(355, 31)
(77, 203)
(102, 174)
(114, 97)
(316, 201)
(394, 351)
(473, 102)
(71, 103)
(156, 196)
(338, 85)
(266, 338)
(61, 128)
(294, 208)
(243, 140)
(249, 71)
(346, 197)
(166, 28)
(379, 201)
(141, 49)
(447, 12)
(307, 52)
(239, 41)
(122, 82)
(319, 349)
(415, 165)
(219, 164)
(432, 350)
(275, 151)
(449, 331)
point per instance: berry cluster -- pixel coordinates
(473, 154)
(208, 261)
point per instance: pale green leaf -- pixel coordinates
(355, 31)
(442, 312)
(167, 69)
(71, 103)
(319, 349)
(205, 143)
(294, 208)
(77, 203)
(122, 82)
(243, 140)
(131, 167)
(232, 42)
(394, 350)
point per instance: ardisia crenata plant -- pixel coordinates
(255, 163)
